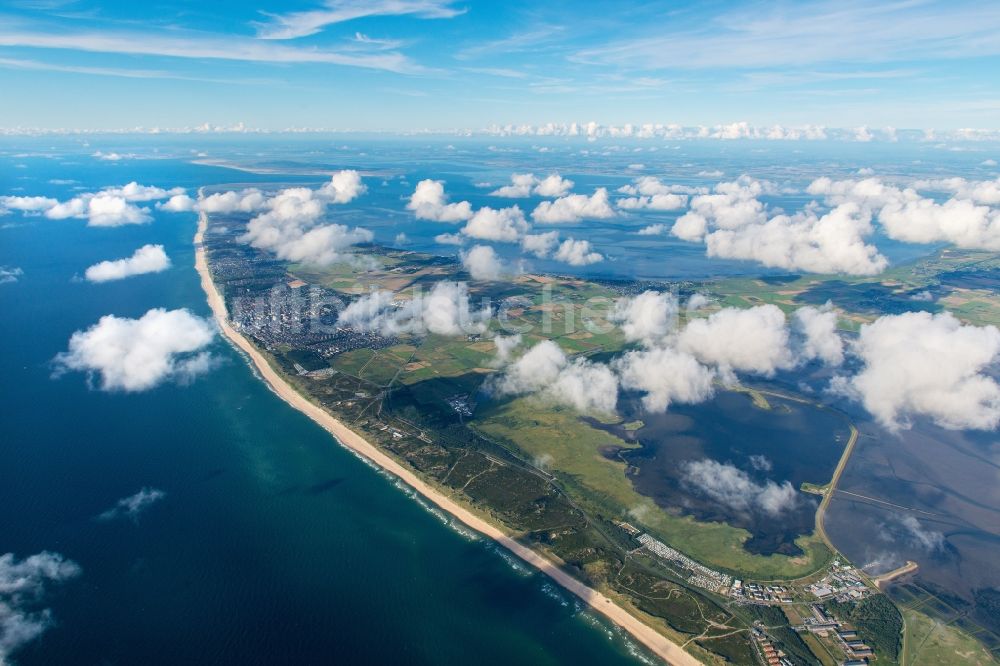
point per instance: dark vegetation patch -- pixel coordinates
(878, 621)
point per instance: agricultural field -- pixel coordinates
(960, 281)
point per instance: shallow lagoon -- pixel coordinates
(792, 442)
(929, 495)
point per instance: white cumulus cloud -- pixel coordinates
(666, 376)
(147, 259)
(732, 205)
(10, 274)
(523, 185)
(135, 192)
(110, 207)
(734, 224)
(289, 228)
(27, 204)
(344, 186)
(114, 211)
(23, 584)
(754, 340)
(546, 371)
(956, 221)
(482, 263)
(553, 185)
(833, 243)
(101, 210)
(978, 191)
(505, 346)
(133, 506)
(906, 215)
(932, 365)
(540, 245)
(429, 202)
(137, 354)
(732, 487)
(520, 186)
(445, 310)
(577, 253)
(242, 201)
(648, 317)
(651, 186)
(654, 202)
(505, 225)
(658, 229)
(450, 239)
(178, 203)
(691, 227)
(816, 333)
(574, 208)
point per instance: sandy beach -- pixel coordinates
(641, 632)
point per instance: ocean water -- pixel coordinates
(273, 544)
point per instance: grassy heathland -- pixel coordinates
(929, 641)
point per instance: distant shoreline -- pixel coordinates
(651, 639)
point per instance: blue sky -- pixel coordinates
(415, 64)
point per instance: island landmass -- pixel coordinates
(563, 491)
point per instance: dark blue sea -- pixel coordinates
(272, 544)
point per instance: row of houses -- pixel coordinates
(699, 574)
(761, 594)
(854, 647)
(772, 655)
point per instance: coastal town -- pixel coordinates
(840, 582)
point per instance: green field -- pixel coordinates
(939, 629)
(930, 642)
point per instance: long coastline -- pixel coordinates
(651, 639)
